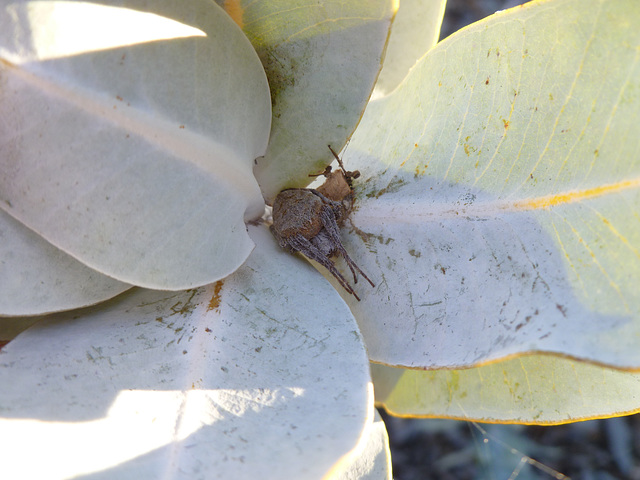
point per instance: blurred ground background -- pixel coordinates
(435, 449)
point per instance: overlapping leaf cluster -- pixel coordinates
(497, 213)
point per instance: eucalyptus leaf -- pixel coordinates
(322, 60)
(498, 203)
(216, 382)
(37, 278)
(128, 138)
(532, 389)
(415, 30)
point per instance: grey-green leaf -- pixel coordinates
(322, 60)
(498, 204)
(250, 377)
(37, 278)
(128, 138)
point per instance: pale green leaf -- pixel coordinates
(129, 136)
(322, 60)
(533, 389)
(415, 30)
(498, 204)
(37, 278)
(222, 380)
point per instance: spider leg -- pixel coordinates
(331, 226)
(304, 246)
(337, 207)
(325, 173)
(337, 158)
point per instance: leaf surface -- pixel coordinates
(372, 457)
(11, 327)
(532, 389)
(221, 381)
(415, 30)
(498, 205)
(322, 60)
(37, 278)
(128, 139)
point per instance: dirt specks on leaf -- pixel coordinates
(214, 303)
(420, 169)
(186, 307)
(392, 186)
(369, 237)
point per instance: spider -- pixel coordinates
(307, 220)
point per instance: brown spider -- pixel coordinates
(307, 220)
